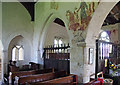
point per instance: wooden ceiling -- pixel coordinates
(114, 16)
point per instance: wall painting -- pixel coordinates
(54, 5)
(79, 19)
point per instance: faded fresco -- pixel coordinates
(54, 5)
(79, 19)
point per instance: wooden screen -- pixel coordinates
(57, 57)
(105, 51)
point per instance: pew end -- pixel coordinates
(10, 77)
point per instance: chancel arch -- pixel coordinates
(45, 28)
(54, 29)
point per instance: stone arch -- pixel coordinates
(17, 33)
(7, 43)
(50, 19)
(97, 20)
(20, 36)
(16, 39)
(93, 31)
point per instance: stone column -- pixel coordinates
(0, 65)
(79, 61)
(89, 68)
(77, 53)
(5, 61)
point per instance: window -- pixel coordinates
(58, 41)
(17, 53)
(104, 36)
(105, 48)
(14, 53)
(55, 42)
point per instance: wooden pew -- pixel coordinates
(41, 77)
(26, 73)
(68, 80)
(13, 68)
(34, 66)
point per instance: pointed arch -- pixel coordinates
(97, 20)
(50, 18)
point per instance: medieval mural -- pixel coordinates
(79, 19)
(54, 5)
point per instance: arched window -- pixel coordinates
(104, 36)
(104, 47)
(55, 42)
(14, 54)
(58, 41)
(17, 53)
(21, 54)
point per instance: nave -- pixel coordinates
(60, 42)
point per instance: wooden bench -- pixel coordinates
(27, 73)
(34, 66)
(41, 77)
(13, 68)
(68, 80)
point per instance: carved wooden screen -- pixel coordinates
(57, 57)
(105, 51)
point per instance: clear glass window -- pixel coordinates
(17, 53)
(104, 48)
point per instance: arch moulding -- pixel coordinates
(97, 20)
(48, 21)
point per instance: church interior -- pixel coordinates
(56, 43)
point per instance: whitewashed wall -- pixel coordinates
(16, 21)
(56, 30)
(21, 41)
